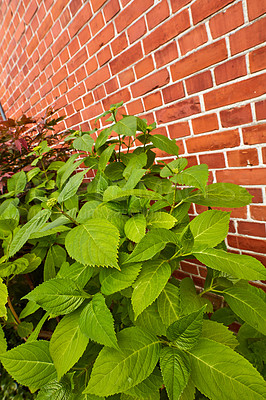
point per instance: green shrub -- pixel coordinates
(86, 273)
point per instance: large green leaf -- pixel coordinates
(222, 374)
(189, 391)
(210, 227)
(79, 273)
(58, 296)
(115, 193)
(17, 183)
(173, 167)
(248, 306)
(185, 332)
(3, 299)
(113, 280)
(23, 234)
(190, 301)
(161, 219)
(68, 343)
(87, 210)
(84, 143)
(71, 186)
(148, 387)
(105, 157)
(30, 364)
(165, 144)
(55, 390)
(169, 304)
(175, 366)
(97, 323)
(222, 195)
(149, 284)
(126, 126)
(67, 170)
(219, 333)
(117, 371)
(3, 343)
(135, 228)
(150, 320)
(134, 179)
(137, 161)
(196, 176)
(236, 265)
(94, 243)
(56, 256)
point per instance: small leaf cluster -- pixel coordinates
(86, 276)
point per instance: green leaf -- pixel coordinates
(169, 304)
(219, 333)
(186, 331)
(151, 321)
(67, 170)
(148, 387)
(71, 186)
(58, 296)
(56, 256)
(23, 234)
(25, 329)
(189, 391)
(13, 268)
(114, 171)
(3, 343)
(84, 143)
(153, 242)
(17, 183)
(97, 323)
(136, 162)
(87, 210)
(196, 176)
(190, 300)
(77, 272)
(135, 228)
(161, 219)
(165, 144)
(187, 240)
(30, 364)
(173, 167)
(113, 280)
(3, 299)
(55, 390)
(248, 306)
(222, 195)
(94, 243)
(68, 343)
(115, 193)
(134, 179)
(103, 136)
(175, 366)
(117, 371)
(236, 265)
(105, 157)
(222, 374)
(29, 309)
(149, 284)
(126, 126)
(210, 228)
(32, 173)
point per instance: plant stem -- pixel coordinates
(15, 315)
(68, 216)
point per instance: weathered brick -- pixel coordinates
(59, 76)
(199, 82)
(177, 4)
(144, 67)
(214, 141)
(99, 93)
(158, 14)
(76, 92)
(78, 59)
(258, 212)
(80, 20)
(75, 6)
(236, 116)
(31, 10)
(96, 23)
(202, 9)
(135, 107)
(230, 70)
(126, 77)
(257, 194)
(126, 59)
(167, 54)
(152, 101)
(213, 160)
(179, 110)
(245, 243)
(60, 43)
(173, 92)
(242, 158)
(243, 176)
(73, 46)
(261, 110)
(58, 8)
(193, 39)
(136, 30)
(104, 56)
(255, 134)
(96, 4)
(256, 8)
(88, 99)
(101, 39)
(199, 60)
(205, 123)
(179, 130)
(257, 59)
(251, 228)
(111, 9)
(97, 78)
(80, 74)
(226, 21)
(116, 98)
(119, 44)
(248, 36)
(151, 82)
(131, 13)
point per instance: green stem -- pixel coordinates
(68, 216)
(44, 170)
(173, 205)
(15, 315)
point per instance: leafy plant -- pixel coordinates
(86, 276)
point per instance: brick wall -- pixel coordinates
(197, 67)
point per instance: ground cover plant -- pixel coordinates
(86, 276)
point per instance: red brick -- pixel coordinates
(31, 10)
(246, 243)
(137, 30)
(77, 60)
(99, 93)
(65, 18)
(88, 99)
(202, 9)
(236, 116)
(119, 44)
(84, 35)
(240, 91)
(144, 66)
(104, 56)
(116, 98)
(93, 111)
(255, 134)
(158, 14)
(126, 77)
(97, 78)
(215, 141)
(97, 23)
(256, 8)
(80, 20)
(152, 101)
(167, 31)
(242, 158)
(248, 37)
(173, 92)
(58, 8)
(76, 92)
(257, 59)
(257, 194)
(258, 213)
(179, 130)
(189, 268)
(264, 155)
(73, 46)
(199, 82)
(167, 54)
(179, 110)
(111, 9)
(112, 85)
(126, 59)
(193, 39)
(158, 79)
(101, 39)
(177, 4)
(96, 4)
(131, 13)
(251, 228)
(261, 110)
(227, 20)
(80, 74)
(78, 105)
(213, 160)
(59, 76)
(60, 43)
(135, 107)
(199, 60)
(254, 176)
(205, 123)
(91, 65)
(230, 70)
(74, 6)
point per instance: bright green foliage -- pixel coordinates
(190, 301)
(71, 187)
(196, 176)
(3, 299)
(57, 390)
(3, 344)
(219, 333)
(149, 388)
(169, 304)
(112, 280)
(135, 228)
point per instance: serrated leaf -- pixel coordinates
(3, 343)
(97, 323)
(169, 304)
(71, 186)
(126, 126)
(151, 321)
(134, 179)
(3, 299)
(174, 167)
(23, 234)
(248, 306)
(189, 391)
(190, 301)
(148, 387)
(137, 162)
(196, 176)
(165, 144)
(58, 296)
(161, 219)
(18, 266)
(149, 284)
(29, 309)
(113, 280)
(87, 210)
(175, 366)
(30, 364)
(67, 343)
(236, 265)
(79, 273)
(84, 143)
(94, 243)
(135, 228)
(24, 329)
(187, 240)
(67, 170)
(219, 333)
(57, 390)
(115, 193)
(117, 371)
(105, 157)
(17, 183)
(210, 227)
(222, 374)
